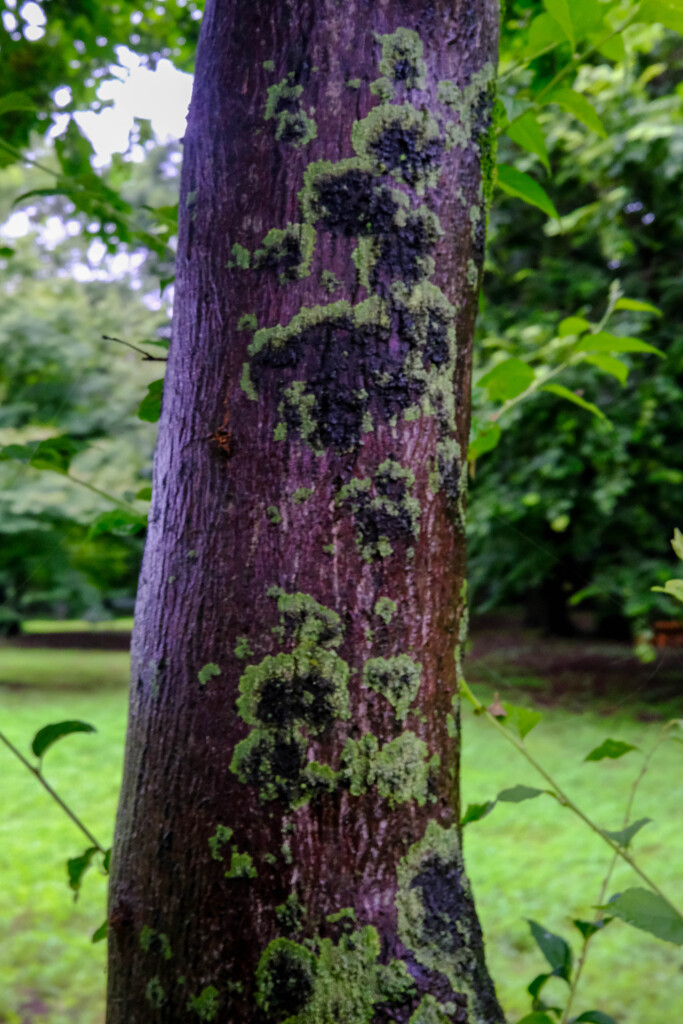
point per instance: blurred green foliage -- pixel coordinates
(570, 509)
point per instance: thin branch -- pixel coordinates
(55, 796)
(145, 355)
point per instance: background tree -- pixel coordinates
(302, 586)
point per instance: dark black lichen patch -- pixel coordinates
(443, 900)
(402, 60)
(284, 979)
(292, 123)
(400, 140)
(290, 914)
(288, 251)
(272, 761)
(348, 198)
(384, 511)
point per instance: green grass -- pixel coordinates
(527, 860)
(76, 626)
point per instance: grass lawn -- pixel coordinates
(529, 860)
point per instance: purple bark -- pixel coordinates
(293, 740)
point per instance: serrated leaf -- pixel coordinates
(581, 108)
(527, 133)
(150, 406)
(554, 948)
(624, 835)
(118, 521)
(77, 867)
(515, 794)
(475, 812)
(559, 10)
(49, 734)
(562, 392)
(637, 306)
(485, 441)
(573, 325)
(674, 588)
(609, 364)
(649, 912)
(523, 186)
(101, 932)
(603, 341)
(507, 379)
(609, 748)
(594, 1017)
(521, 719)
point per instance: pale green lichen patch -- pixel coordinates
(152, 941)
(247, 384)
(154, 993)
(274, 515)
(430, 1011)
(385, 608)
(342, 982)
(222, 836)
(383, 88)
(241, 864)
(208, 672)
(346, 913)
(397, 679)
(292, 123)
(248, 322)
(241, 257)
(403, 770)
(447, 472)
(290, 914)
(402, 59)
(353, 83)
(358, 763)
(383, 508)
(302, 494)
(306, 688)
(243, 648)
(268, 65)
(330, 281)
(206, 1004)
(288, 251)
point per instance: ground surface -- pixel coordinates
(529, 860)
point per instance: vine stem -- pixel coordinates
(102, 494)
(559, 793)
(55, 796)
(606, 880)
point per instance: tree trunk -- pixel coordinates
(287, 843)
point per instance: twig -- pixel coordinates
(145, 355)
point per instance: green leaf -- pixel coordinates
(144, 494)
(485, 441)
(624, 836)
(475, 812)
(674, 588)
(49, 734)
(609, 748)
(609, 364)
(77, 867)
(101, 932)
(516, 794)
(150, 406)
(536, 1018)
(603, 341)
(6, 252)
(544, 35)
(665, 12)
(562, 392)
(106, 861)
(521, 719)
(507, 379)
(523, 186)
(13, 101)
(118, 521)
(56, 453)
(649, 912)
(637, 306)
(559, 10)
(577, 104)
(554, 948)
(573, 325)
(677, 543)
(594, 1017)
(589, 928)
(527, 133)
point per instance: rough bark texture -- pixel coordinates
(287, 842)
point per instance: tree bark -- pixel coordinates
(287, 844)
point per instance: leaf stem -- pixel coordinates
(55, 796)
(145, 355)
(102, 494)
(558, 792)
